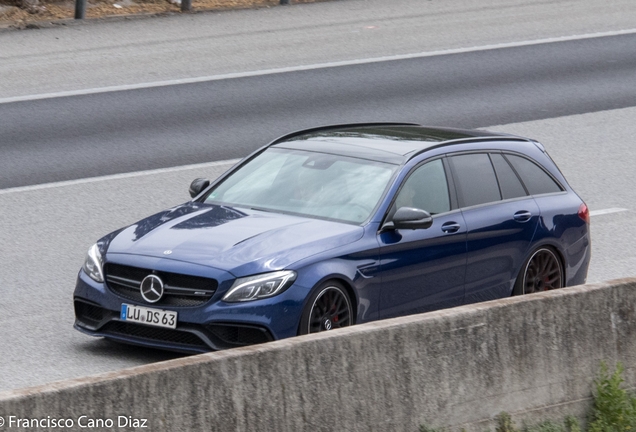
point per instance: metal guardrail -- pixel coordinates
(186, 6)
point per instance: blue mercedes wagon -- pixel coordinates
(335, 226)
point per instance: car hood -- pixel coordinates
(239, 241)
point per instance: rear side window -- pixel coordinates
(475, 179)
(509, 183)
(537, 181)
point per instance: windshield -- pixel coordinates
(306, 183)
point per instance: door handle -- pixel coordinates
(450, 227)
(522, 216)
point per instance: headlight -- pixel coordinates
(93, 264)
(260, 286)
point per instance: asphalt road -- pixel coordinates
(575, 96)
(75, 56)
(106, 133)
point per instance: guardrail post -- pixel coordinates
(80, 9)
(186, 5)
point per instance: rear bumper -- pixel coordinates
(578, 257)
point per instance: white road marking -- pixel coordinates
(312, 67)
(116, 176)
(607, 211)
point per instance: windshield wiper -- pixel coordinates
(264, 210)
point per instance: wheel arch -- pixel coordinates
(351, 293)
(552, 246)
(348, 286)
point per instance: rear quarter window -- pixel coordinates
(536, 180)
(509, 183)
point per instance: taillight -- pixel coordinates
(584, 213)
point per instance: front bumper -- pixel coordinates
(215, 325)
(92, 319)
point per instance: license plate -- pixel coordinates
(148, 316)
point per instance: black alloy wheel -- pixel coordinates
(541, 272)
(327, 309)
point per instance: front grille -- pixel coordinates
(239, 335)
(179, 290)
(118, 328)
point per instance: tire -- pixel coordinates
(329, 307)
(541, 272)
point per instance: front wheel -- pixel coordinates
(328, 308)
(541, 272)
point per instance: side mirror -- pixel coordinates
(410, 218)
(197, 186)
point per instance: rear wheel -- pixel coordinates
(541, 272)
(328, 308)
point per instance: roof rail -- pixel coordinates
(336, 127)
(469, 140)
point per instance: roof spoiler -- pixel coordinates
(336, 127)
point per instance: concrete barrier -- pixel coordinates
(534, 357)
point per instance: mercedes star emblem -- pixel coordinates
(151, 288)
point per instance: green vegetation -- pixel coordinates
(426, 428)
(505, 424)
(614, 410)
